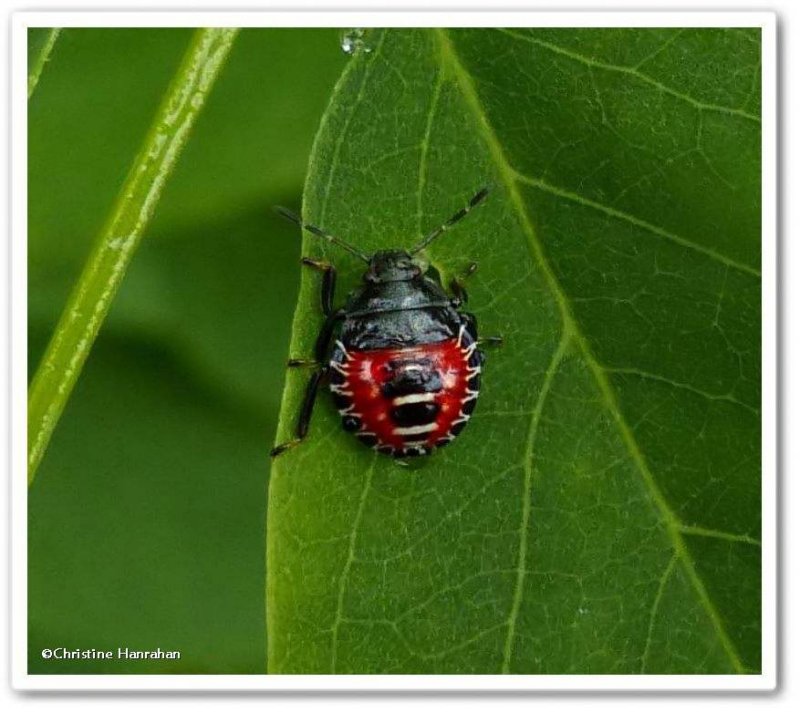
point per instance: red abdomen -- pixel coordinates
(408, 401)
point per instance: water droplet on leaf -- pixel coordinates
(353, 41)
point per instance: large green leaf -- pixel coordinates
(601, 513)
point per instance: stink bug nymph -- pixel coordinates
(400, 357)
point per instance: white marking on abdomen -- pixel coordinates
(409, 367)
(413, 399)
(415, 430)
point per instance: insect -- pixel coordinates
(405, 368)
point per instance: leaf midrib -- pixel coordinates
(673, 526)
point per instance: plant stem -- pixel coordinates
(92, 295)
(44, 54)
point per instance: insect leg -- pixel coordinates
(328, 289)
(305, 413)
(325, 334)
(328, 282)
(470, 321)
(496, 341)
(457, 284)
(320, 351)
(302, 362)
(322, 343)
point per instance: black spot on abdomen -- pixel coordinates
(351, 423)
(416, 414)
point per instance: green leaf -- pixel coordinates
(94, 291)
(601, 512)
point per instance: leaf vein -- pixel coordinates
(340, 139)
(351, 549)
(649, 58)
(425, 146)
(662, 584)
(631, 371)
(522, 552)
(633, 72)
(719, 535)
(633, 220)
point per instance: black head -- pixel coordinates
(392, 266)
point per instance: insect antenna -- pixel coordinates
(428, 239)
(319, 232)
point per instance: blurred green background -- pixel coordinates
(147, 516)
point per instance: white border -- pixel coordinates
(20, 679)
(394, 18)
